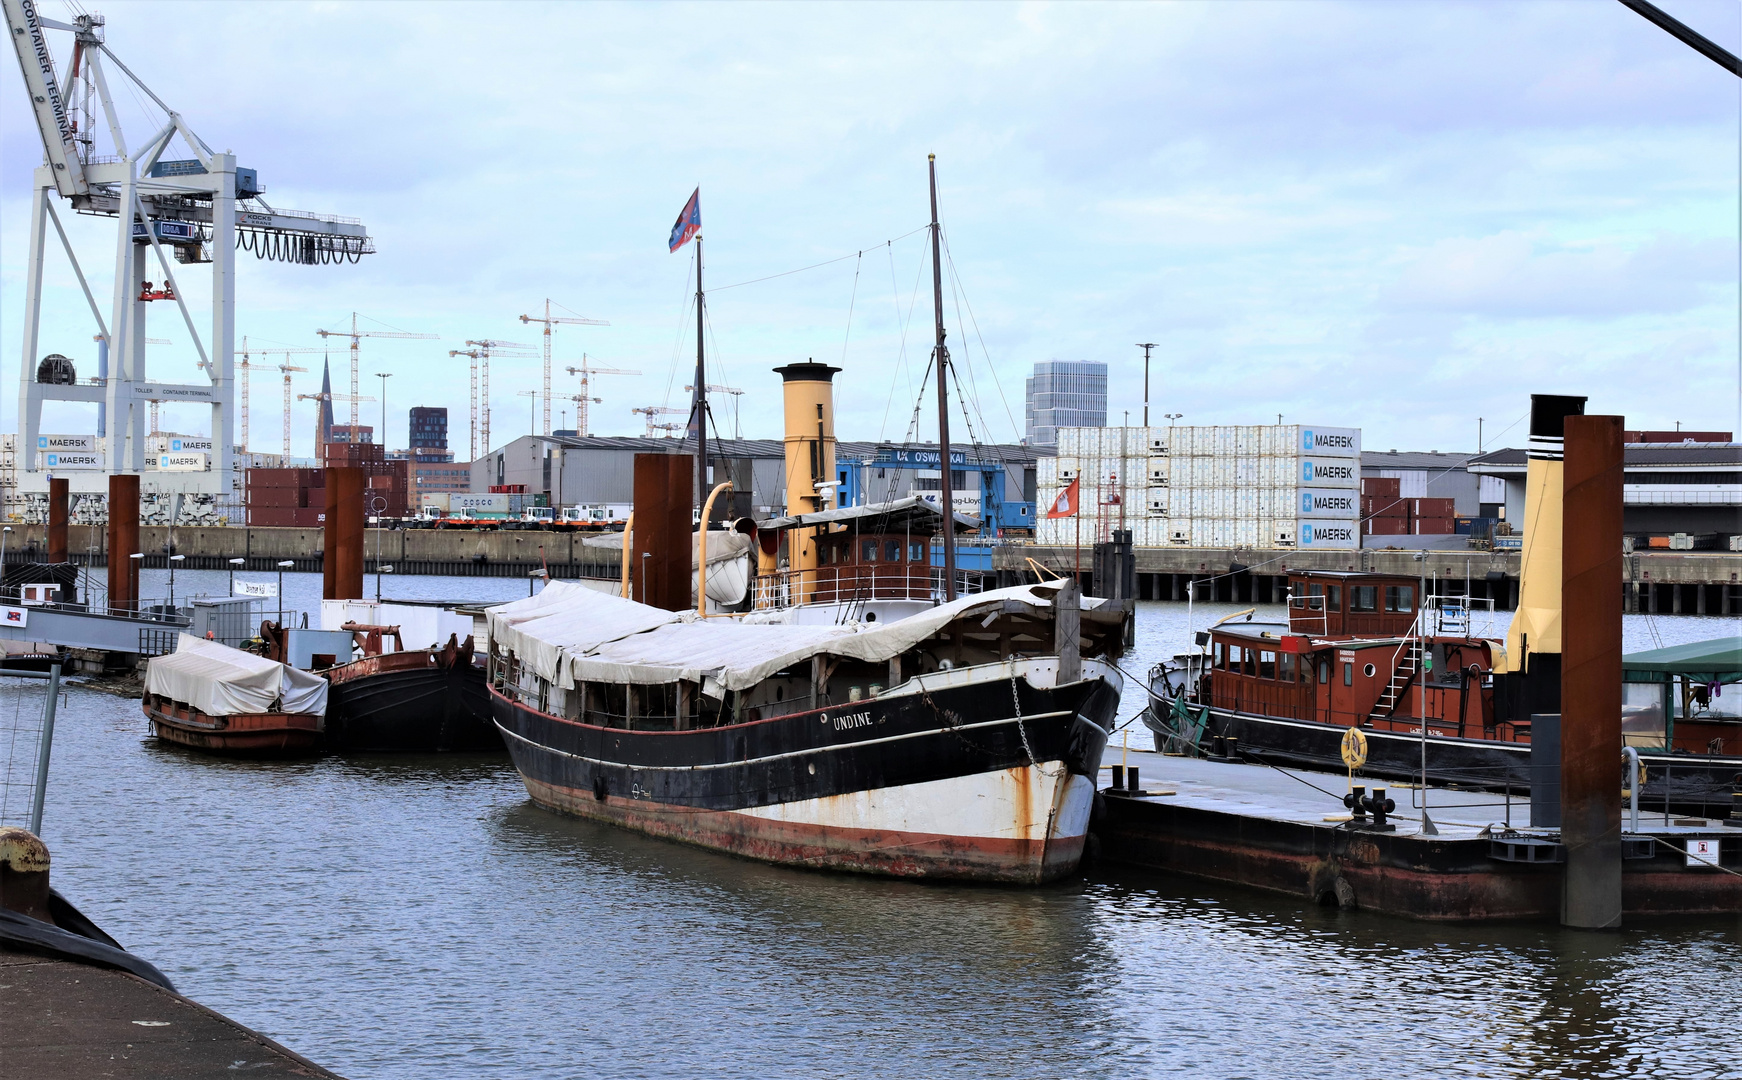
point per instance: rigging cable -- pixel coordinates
(954, 276)
(905, 324)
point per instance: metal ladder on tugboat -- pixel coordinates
(1401, 676)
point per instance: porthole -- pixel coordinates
(1369, 670)
(870, 616)
(813, 768)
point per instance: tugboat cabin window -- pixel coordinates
(1399, 598)
(1324, 671)
(1364, 598)
(1266, 665)
(1285, 667)
(916, 552)
(868, 551)
(1348, 674)
(1221, 660)
(891, 551)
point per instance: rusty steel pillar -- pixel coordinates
(58, 497)
(342, 559)
(1591, 770)
(124, 542)
(661, 549)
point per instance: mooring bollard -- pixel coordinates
(1118, 778)
(1131, 784)
(24, 873)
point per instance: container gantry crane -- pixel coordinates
(586, 371)
(550, 320)
(202, 208)
(355, 334)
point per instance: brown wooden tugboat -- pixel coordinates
(211, 697)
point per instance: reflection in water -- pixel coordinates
(417, 917)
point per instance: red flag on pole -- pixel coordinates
(1066, 504)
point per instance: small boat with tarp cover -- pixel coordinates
(211, 697)
(961, 742)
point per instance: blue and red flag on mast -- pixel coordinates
(689, 223)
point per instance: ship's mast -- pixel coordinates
(701, 398)
(941, 358)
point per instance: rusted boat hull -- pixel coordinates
(410, 701)
(938, 785)
(239, 735)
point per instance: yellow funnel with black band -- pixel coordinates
(1536, 625)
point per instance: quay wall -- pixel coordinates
(1690, 583)
(454, 552)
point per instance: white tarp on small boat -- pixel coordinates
(221, 681)
(568, 634)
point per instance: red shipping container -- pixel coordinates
(1381, 526)
(1433, 508)
(1433, 526)
(1381, 486)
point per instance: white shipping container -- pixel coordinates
(1327, 534)
(1329, 503)
(1330, 442)
(1328, 472)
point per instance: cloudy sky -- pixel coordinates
(1394, 216)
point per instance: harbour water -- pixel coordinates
(393, 916)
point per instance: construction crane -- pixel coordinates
(581, 401)
(199, 207)
(287, 369)
(247, 365)
(355, 334)
(586, 372)
(652, 411)
(550, 320)
(486, 348)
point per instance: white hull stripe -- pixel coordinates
(777, 757)
(1023, 803)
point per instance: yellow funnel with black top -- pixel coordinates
(809, 392)
(1536, 625)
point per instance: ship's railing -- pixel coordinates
(1457, 616)
(829, 585)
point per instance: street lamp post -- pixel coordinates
(378, 572)
(173, 559)
(281, 565)
(5, 535)
(383, 376)
(234, 563)
(140, 555)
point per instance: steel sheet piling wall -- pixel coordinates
(1591, 672)
(661, 545)
(342, 568)
(57, 520)
(123, 541)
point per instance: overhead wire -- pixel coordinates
(813, 266)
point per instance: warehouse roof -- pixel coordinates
(1412, 459)
(1682, 457)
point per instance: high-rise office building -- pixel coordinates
(1065, 393)
(432, 464)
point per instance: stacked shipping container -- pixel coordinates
(1385, 512)
(297, 497)
(1246, 486)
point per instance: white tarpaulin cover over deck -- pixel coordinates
(569, 634)
(221, 681)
